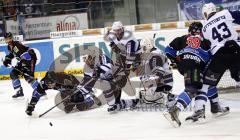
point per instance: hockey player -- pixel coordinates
(190, 52)
(212, 94)
(112, 78)
(125, 45)
(66, 84)
(218, 29)
(156, 77)
(26, 64)
(127, 50)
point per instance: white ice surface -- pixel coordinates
(98, 124)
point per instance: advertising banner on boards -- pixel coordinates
(34, 28)
(43, 50)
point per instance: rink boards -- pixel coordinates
(63, 52)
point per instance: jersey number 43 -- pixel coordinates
(221, 32)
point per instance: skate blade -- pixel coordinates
(169, 118)
(190, 121)
(217, 115)
(199, 121)
(113, 112)
(19, 98)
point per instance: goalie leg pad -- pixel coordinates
(151, 97)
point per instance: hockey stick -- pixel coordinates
(64, 99)
(121, 63)
(20, 71)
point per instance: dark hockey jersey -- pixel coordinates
(21, 52)
(188, 44)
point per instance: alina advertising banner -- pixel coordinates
(192, 9)
(36, 28)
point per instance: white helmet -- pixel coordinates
(117, 25)
(208, 8)
(146, 44)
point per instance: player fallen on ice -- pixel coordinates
(66, 84)
(25, 66)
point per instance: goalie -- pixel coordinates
(156, 77)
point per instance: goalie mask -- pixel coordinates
(146, 45)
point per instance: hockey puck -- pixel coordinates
(50, 123)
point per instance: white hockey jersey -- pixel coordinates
(128, 45)
(106, 67)
(156, 64)
(218, 29)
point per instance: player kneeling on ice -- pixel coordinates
(66, 84)
(156, 76)
(26, 58)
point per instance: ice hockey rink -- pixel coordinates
(98, 124)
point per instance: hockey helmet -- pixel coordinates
(117, 25)
(195, 28)
(207, 9)
(118, 29)
(146, 45)
(8, 35)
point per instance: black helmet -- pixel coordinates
(8, 35)
(195, 27)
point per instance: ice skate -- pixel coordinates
(218, 111)
(198, 116)
(172, 116)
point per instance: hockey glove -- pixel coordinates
(77, 97)
(114, 47)
(7, 61)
